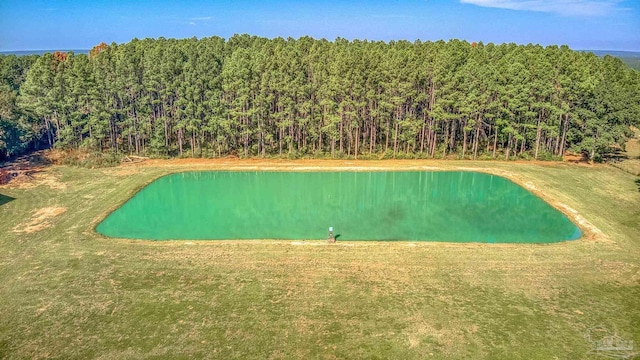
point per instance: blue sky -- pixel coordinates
(73, 24)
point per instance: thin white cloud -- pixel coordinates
(198, 20)
(562, 7)
(392, 16)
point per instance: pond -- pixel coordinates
(384, 206)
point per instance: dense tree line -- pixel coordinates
(18, 131)
(252, 96)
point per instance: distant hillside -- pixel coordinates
(41, 52)
(633, 63)
(631, 58)
(620, 54)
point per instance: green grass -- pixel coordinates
(66, 292)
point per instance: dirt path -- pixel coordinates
(23, 168)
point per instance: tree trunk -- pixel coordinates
(495, 142)
(464, 142)
(166, 136)
(372, 142)
(49, 137)
(423, 132)
(445, 140)
(355, 149)
(395, 140)
(434, 143)
(333, 146)
(262, 153)
(564, 135)
(475, 143)
(538, 134)
(193, 144)
(291, 137)
(280, 136)
(556, 150)
(324, 112)
(386, 144)
(341, 129)
(452, 142)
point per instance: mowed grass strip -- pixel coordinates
(66, 292)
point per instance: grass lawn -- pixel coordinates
(66, 292)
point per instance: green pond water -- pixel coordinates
(416, 206)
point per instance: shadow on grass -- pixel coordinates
(637, 183)
(5, 199)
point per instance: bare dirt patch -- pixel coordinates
(574, 158)
(33, 179)
(30, 171)
(40, 220)
(592, 232)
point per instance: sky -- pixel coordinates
(78, 24)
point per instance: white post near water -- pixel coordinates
(331, 237)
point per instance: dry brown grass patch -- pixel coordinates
(40, 220)
(41, 178)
